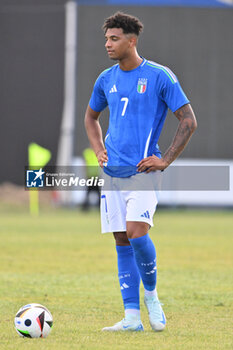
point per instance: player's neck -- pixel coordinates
(131, 62)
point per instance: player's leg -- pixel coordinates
(128, 274)
(140, 211)
(113, 214)
(129, 280)
(144, 251)
(145, 256)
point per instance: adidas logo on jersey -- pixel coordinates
(113, 89)
(146, 215)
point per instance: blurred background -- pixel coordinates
(52, 52)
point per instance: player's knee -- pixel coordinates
(121, 238)
(137, 229)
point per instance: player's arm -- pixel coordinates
(94, 133)
(187, 125)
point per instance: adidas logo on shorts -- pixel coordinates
(146, 215)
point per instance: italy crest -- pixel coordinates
(142, 84)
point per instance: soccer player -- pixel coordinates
(138, 93)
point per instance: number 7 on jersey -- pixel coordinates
(125, 100)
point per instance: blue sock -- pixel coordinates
(129, 277)
(145, 256)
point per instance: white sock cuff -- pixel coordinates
(134, 312)
(151, 293)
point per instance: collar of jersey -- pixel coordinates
(132, 70)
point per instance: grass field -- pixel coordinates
(61, 260)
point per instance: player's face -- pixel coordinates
(118, 44)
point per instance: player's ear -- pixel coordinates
(133, 41)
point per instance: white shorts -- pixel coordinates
(118, 206)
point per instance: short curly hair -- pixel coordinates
(129, 24)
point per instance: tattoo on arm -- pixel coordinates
(187, 125)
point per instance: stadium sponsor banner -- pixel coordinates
(174, 178)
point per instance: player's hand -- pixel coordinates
(102, 157)
(152, 163)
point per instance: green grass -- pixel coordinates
(61, 260)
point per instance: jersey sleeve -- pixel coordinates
(98, 99)
(170, 90)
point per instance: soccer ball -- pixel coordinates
(33, 321)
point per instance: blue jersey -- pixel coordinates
(138, 101)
